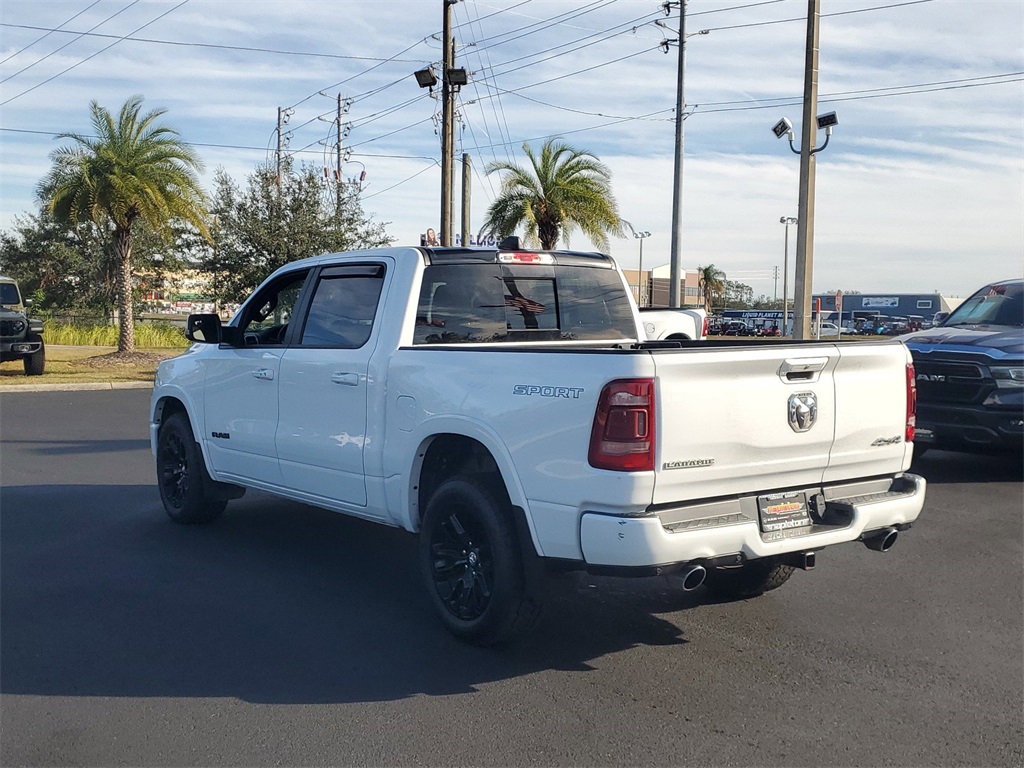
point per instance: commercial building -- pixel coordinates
(847, 309)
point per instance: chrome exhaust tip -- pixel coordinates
(881, 541)
(692, 577)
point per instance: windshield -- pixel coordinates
(9, 294)
(996, 304)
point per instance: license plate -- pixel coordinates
(781, 511)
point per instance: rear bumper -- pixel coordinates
(730, 527)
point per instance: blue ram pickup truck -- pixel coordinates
(970, 373)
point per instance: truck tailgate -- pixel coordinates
(736, 420)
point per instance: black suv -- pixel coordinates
(970, 373)
(20, 336)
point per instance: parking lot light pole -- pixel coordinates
(787, 220)
(641, 236)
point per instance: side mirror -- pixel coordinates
(28, 302)
(204, 328)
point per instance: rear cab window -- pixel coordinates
(491, 302)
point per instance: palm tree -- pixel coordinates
(562, 190)
(132, 171)
(711, 283)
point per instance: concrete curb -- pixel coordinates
(84, 386)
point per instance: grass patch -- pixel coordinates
(67, 365)
(147, 335)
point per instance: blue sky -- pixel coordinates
(920, 189)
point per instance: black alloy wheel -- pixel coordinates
(181, 474)
(471, 563)
(463, 566)
(174, 471)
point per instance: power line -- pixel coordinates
(834, 13)
(786, 100)
(69, 42)
(501, 122)
(403, 181)
(499, 11)
(93, 56)
(360, 74)
(889, 92)
(545, 23)
(49, 32)
(182, 43)
(732, 8)
(248, 148)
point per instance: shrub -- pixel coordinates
(147, 335)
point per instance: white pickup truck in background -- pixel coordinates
(674, 324)
(505, 406)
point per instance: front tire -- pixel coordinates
(182, 475)
(472, 565)
(35, 363)
(748, 580)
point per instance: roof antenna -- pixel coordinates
(510, 243)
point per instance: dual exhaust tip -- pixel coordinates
(691, 577)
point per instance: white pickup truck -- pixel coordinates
(504, 405)
(674, 324)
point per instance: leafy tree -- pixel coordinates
(738, 295)
(562, 190)
(264, 226)
(135, 172)
(711, 284)
(73, 270)
(764, 301)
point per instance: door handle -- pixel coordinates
(348, 379)
(802, 369)
(266, 374)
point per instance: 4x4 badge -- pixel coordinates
(803, 411)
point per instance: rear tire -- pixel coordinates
(471, 563)
(182, 475)
(35, 363)
(749, 580)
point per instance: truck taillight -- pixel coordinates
(622, 438)
(704, 331)
(911, 403)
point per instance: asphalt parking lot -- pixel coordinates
(287, 635)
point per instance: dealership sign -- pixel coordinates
(880, 301)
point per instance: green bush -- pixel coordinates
(147, 335)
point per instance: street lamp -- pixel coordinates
(641, 236)
(787, 220)
(784, 127)
(805, 229)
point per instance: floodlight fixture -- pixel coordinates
(783, 127)
(457, 77)
(828, 121)
(425, 78)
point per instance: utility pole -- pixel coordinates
(447, 126)
(338, 178)
(466, 189)
(787, 220)
(676, 268)
(280, 123)
(805, 213)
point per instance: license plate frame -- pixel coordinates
(783, 511)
